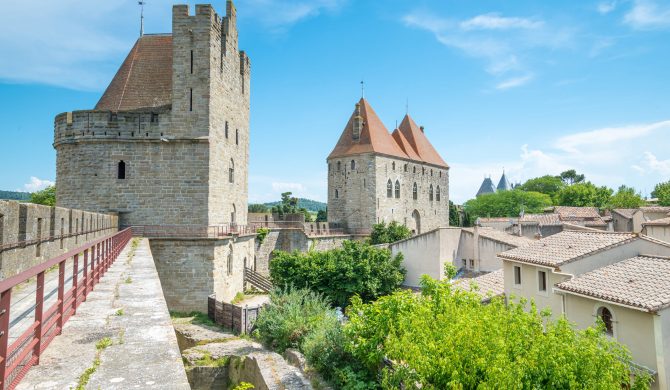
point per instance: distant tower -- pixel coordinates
(503, 184)
(486, 187)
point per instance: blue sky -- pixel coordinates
(535, 87)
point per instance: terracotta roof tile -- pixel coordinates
(658, 222)
(489, 285)
(144, 80)
(566, 246)
(373, 138)
(500, 236)
(656, 209)
(626, 213)
(404, 145)
(418, 140)
(642, 281)
(541, 219)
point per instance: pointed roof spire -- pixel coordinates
(486, 187)
(503, 184)
(373, 136)
(419, 142)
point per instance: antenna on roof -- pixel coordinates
(362, 89)
(141, 4)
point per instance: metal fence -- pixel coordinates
(53, 303)
(191, 231)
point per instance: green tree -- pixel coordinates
(454, 215)
(547, 184)
(258, 208)
(322, 216)
(506, 204)
(626, 198)
(355, 269)
(584, 195)
(571, 177)
(662, 193)
(445, 338)
(383, 233)
(46, 197)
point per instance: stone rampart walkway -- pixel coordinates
(121, 337)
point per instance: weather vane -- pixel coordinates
(141, 4)
(362, 88)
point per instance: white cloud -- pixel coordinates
(36, 184)
(647, 15)
(514, 82)
(605, 7)
(494, 21)
(651, 164)
(598, 138)
(278, 15)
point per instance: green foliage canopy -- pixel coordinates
(322, 216)
(383, 233)
(506, 204)
(15, 195)
(626, 197)
(258, 208)
(446, 339)
(338, 274)
(45, 197)
(547, 184)
(571, 177)
(584, 195)
(662, 192)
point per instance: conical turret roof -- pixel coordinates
(503, 184)
(486, 187)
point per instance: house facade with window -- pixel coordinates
(168, 141)
(375, 176)
(621, 278)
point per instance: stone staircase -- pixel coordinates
(257, 280)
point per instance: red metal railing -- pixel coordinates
(24, 350)
(191, 231)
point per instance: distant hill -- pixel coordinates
(310, 205)
(14, 195)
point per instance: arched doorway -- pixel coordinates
(417, 221)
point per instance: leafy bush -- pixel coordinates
(626, 197)
(261, 233)
(584, 194)
(662, 192)
(290, 316)
(45, 197)
(506, 204)
(382, 233)
(446, 339)
(338, 274)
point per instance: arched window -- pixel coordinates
(606, 316)
(431, 172)
(121, 170)
(337, 194)
(233, 215)
(415, 192)
(237, 137)
(423, 170)
(406, 168)
(389, 189)
(339, 166)
(430, 192)
(353, 165)
(397, 189)
(437, 193)
(231, 172)
(393, 165)
(414, 170)
(229, 263)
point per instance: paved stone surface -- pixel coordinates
(128, 307)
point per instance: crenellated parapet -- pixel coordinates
(94, 125)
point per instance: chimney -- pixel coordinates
(421, 127)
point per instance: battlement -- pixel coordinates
(96, 125)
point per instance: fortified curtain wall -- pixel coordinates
(30, 234)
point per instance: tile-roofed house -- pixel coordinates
(656, 209)
(541, 219)
(566, 246)
(144, 80)
(642, 282)
(372, 136)
(487, 187)
(404, 145)
(626, 213)
(489, 285)
(505, 238)
(419, 142)
(658, 222)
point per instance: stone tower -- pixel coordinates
(374, 176)
(168, 142)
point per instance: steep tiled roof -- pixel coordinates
(588, 216)
(404, 145)
(626, 213)
(418, 140)
(541, 219)
(373, 137)
(506, 238)
(486, 187)
(659, 222)
(642, 281)
(655, 209)
(503, 184)
(144, 80)
(489, 285)
(566, 246)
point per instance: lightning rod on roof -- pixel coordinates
(362, 89)
(141, 4)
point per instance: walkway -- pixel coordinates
(121, 336)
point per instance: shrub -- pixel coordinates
(382, 233)
(261, 233)
(338, 274)
(290, 316)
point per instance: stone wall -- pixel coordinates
(193, 269)
(359, 198)
(31, 234)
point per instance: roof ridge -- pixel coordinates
(653, 256)
(135, 49)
